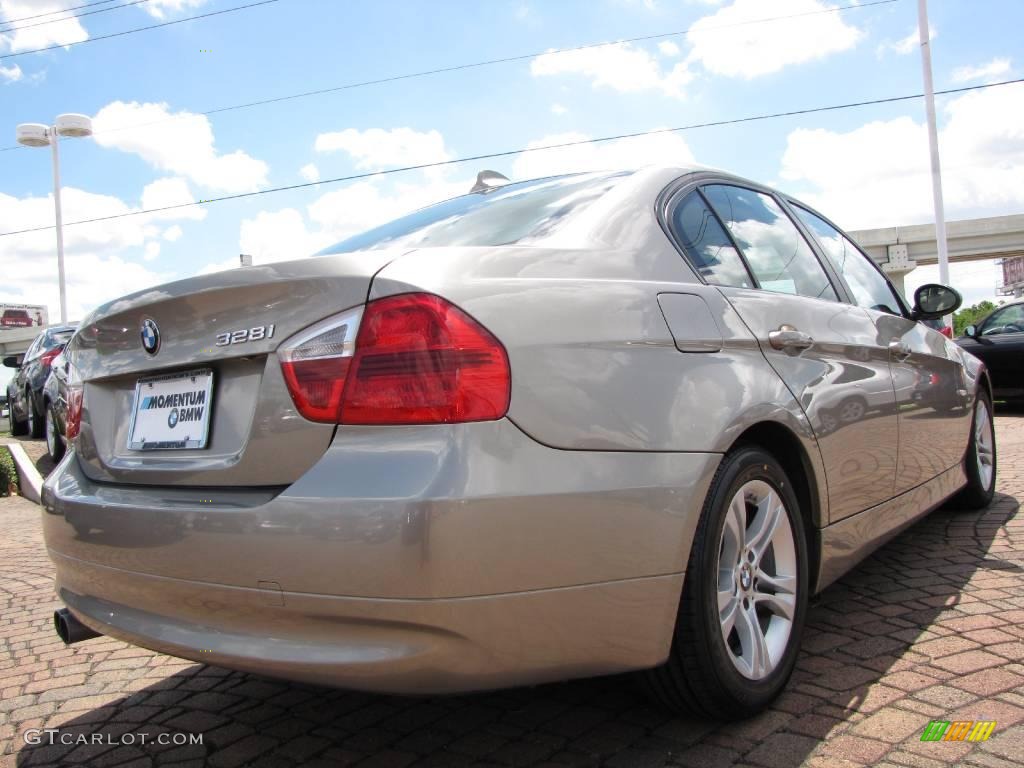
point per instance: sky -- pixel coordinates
(153, 146)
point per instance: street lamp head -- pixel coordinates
(33, 135)
(73, 125)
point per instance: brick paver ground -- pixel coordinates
(932, 626)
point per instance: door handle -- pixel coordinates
(788, 337)
(899, 349)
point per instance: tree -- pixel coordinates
(970, 316)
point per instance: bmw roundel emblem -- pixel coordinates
(172, 418)
(150, 336)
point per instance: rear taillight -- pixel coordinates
(48, 355)
(75, 396)
(315, 364)
(417, 359)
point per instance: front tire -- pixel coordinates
(55, 444)
(980, 459)
(744, 598)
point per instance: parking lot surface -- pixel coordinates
(929, 628)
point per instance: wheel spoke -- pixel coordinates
(781, 604)
(736, 523)
(752, 644)
(766, 522)
(778, 584)
(727, 613)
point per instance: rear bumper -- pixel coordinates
(388, 646)
(419, 559)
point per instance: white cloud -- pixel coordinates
(558, 109)
(61, 32)
(907, 44)
(879, 174)
(183, 145)
(622, 67)
(663, 148)
(278, 236)
(993, 69)
(171, 191)
(10, 74)
(172, 233)
(102, 260)
(161, 9)
(310, 172)
(377, 148)
(668, 48)
(151, 251)
(727, 45)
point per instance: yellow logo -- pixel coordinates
(958, 730)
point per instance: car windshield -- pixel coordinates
(524, 213)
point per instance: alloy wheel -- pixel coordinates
(51, 433)
(984, 445)
(757, 579)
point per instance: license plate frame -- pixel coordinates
(175, 413)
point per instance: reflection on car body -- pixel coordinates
(579, 425)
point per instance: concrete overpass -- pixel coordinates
(15, 341)
(897, 249)
(900, 249)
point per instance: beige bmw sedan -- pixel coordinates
(597, 423)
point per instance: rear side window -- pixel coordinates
(777, 253)
(707, 245)
(869, 287)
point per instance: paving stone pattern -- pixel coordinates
(930, 627)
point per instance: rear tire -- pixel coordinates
(18, 428)
(36, 420)
(744, 599)
(980, 459)
(55, 444)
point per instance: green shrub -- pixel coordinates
(8, 472)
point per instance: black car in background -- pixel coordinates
(25, 390)
(999, 341)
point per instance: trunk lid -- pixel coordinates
(229, 323)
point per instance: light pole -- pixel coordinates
(39, 135)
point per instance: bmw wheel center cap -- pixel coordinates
(150, 336)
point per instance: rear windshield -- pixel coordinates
(525, 213)
(56, 338)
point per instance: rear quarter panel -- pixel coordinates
(594, 363)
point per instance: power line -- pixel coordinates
(60, 10)
(486, 63)
(69, 18)
(524, 150)
(139, 29)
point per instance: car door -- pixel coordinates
(825, 350)
(19, 382)
(931, 395)
(1000, 343)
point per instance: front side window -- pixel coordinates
(707, 245)
(777, 253)
(1006, 320)
(869, 287)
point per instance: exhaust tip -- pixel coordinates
(69, 629)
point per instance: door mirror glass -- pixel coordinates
(933, 300)
(11, 362)
(971, 331)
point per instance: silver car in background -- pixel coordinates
(587, 424)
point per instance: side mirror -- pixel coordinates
(971, 331)
(12, 362)
(932, 301)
